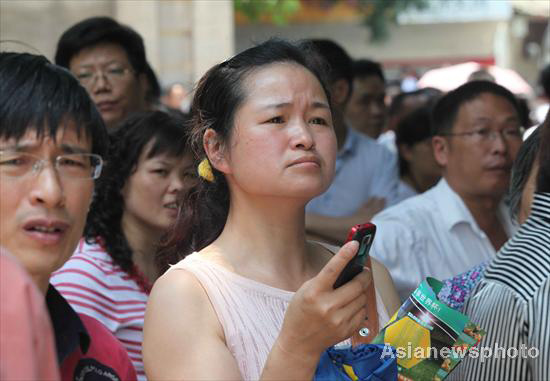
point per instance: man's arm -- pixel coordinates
(335, 229)
(386, 177)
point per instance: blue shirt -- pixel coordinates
(364, 169)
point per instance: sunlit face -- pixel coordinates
(475, 167)
(151, 192)
(105, 71)
(366, 109)
(42, 215)
(283, 143)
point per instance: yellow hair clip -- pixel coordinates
(205, 170)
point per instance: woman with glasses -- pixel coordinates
(111, 272)
(253, 299)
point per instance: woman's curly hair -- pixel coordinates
(103, 225)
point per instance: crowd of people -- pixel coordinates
(138, 241)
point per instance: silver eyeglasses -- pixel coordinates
(485, 135)
(73, 166)
(88, 78)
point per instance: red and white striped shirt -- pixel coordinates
(94, 285)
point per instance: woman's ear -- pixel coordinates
(215, 150)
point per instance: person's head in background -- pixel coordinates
(366, 109)
(253, 116)
(477, 133)
(404, 103)
(339, 68)
(176, 97)
(52, 140)
(149, 166)
(109, 61)
(413, 137)
(524, 176)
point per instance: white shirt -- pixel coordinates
(432, 234)
(405, 191)
(364, 169)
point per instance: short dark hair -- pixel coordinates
(446, 109)
(167, 131)
(412, 129)
(218, 97)
(37, 95)
(366, 68)
(95, 30)
(338, 62)
(521, 170)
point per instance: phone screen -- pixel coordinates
(364, 234)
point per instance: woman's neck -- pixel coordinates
(264, 239)
(143, 242)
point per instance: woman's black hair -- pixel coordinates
(543, 177)
(38, 95)
(412, 129)
(218, 96)
(167, 131)
(523, 164)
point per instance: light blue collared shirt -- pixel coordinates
(364, 169)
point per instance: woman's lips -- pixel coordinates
(106, 106)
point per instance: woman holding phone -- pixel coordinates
(255, 295)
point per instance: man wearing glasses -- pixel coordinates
(109, 61)
(461, 221)
(51, 141)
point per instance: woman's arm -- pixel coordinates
(182, 337)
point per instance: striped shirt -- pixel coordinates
(95, 286)
(512, 303)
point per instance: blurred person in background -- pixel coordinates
(51, 141)
(512, 301)
(418, 169)
(366, 176)
(401, 105)
(176, 97)
(109, 61)
(366, 109)
(113, 268)
(462, 221)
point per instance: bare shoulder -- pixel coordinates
(181, 326)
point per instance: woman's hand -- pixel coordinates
(320, 316)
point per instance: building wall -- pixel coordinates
(183, 38)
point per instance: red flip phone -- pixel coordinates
(364, 234)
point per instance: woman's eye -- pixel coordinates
(161, 171)
(276, 120)
(321, 121)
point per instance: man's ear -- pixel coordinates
(441, 148)
(215, 150)
(339, 91)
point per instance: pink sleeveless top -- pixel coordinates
(251, 313)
